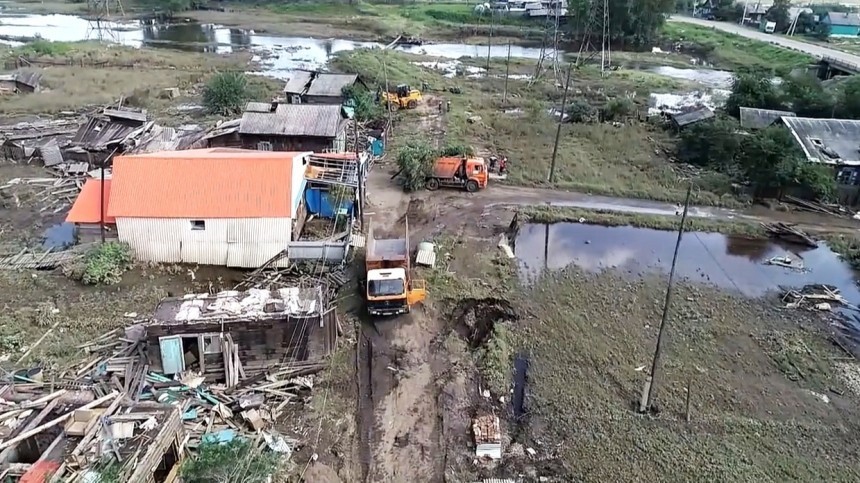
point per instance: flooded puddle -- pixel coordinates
(717, 79)
(59, 237)
(730, 262)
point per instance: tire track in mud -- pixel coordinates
(364, 415)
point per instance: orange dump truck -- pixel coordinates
(459, 172)
(390, 287)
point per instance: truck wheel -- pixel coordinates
(471, 186)
(393, 106)
(412, 104)
(432, 184)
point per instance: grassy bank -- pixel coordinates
(626, 157)
(82, 74)
(847, 246)
(543, 214)
(733, 52)
(588, 336)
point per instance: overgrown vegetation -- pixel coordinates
(103, 265)
(237, 461)
(226, 93)
(367, 108)
(734, 52)
(847, 246)
(544, 214)
(415, 161)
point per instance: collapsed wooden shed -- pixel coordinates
(236, 335)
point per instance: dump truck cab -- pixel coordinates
(390, 289)
(469, 173)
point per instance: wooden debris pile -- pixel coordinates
(270, 277)
(826, 209)
(51, 194)
(488, 436)
(816, 297)
(789, 233)
(111, 405)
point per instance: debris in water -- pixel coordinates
(812, 296)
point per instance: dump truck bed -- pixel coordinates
(387, 253)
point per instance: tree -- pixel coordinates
(805, 95)
(635, 21)
(367, 107)
(848, 99)
(753, 90)
(779, 13)
(805, 23)
(713, 143)
(770, 159)
(821, 31)
(226, 93)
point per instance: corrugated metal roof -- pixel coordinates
(294, 120)
(138, 116)
(51, 155)
(844, 18)
(687, 118)
(298, 82)
(100, 132)
(830, 141)
(753, 118)
(258, 107)
(330, 84)
(203, 183)
(29, 78)
(86, 207)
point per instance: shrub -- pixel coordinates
(618, 109)
(415, 161)
(234, 462)
(103, 265)
(226, 93)
(367, 108)
(46, 47)
(580, 111)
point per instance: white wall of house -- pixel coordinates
(300, 164)
(234, 242)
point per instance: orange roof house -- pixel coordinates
(86, 208)
(217, 206)
(207, 183)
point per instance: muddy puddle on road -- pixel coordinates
(731, 262)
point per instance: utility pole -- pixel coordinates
(490, 41)
(658, 351)
(507, 73)
(390, 127)
(560, 121)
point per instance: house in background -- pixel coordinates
(304, 87)
(752, 118)
(293, 127)
(843, 24)
(216, 206)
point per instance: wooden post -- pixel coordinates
(507, 73)
(687, 402)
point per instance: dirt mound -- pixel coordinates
(417, 213)
(475, 319)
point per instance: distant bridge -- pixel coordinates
(829, 67)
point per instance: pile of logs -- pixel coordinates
(789, 233)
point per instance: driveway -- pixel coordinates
(814, 50)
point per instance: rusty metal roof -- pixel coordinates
(330, 84)
(298, 82)
(138, 116)
(295, 120)
(99, 133)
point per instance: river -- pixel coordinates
(278, 54)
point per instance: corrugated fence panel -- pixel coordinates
(152, 240)
(314, 250)
(176, 240)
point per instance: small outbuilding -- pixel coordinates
(293, 127)
(684, 119)
(843, 24)
(22, 82)
(233, 333)
(304, 87)
(88, 210)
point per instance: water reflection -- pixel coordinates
(726, 261)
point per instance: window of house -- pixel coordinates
(817, 142)
(211, 344)
(264, 146)
(198, 225)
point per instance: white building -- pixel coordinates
(218, 206)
